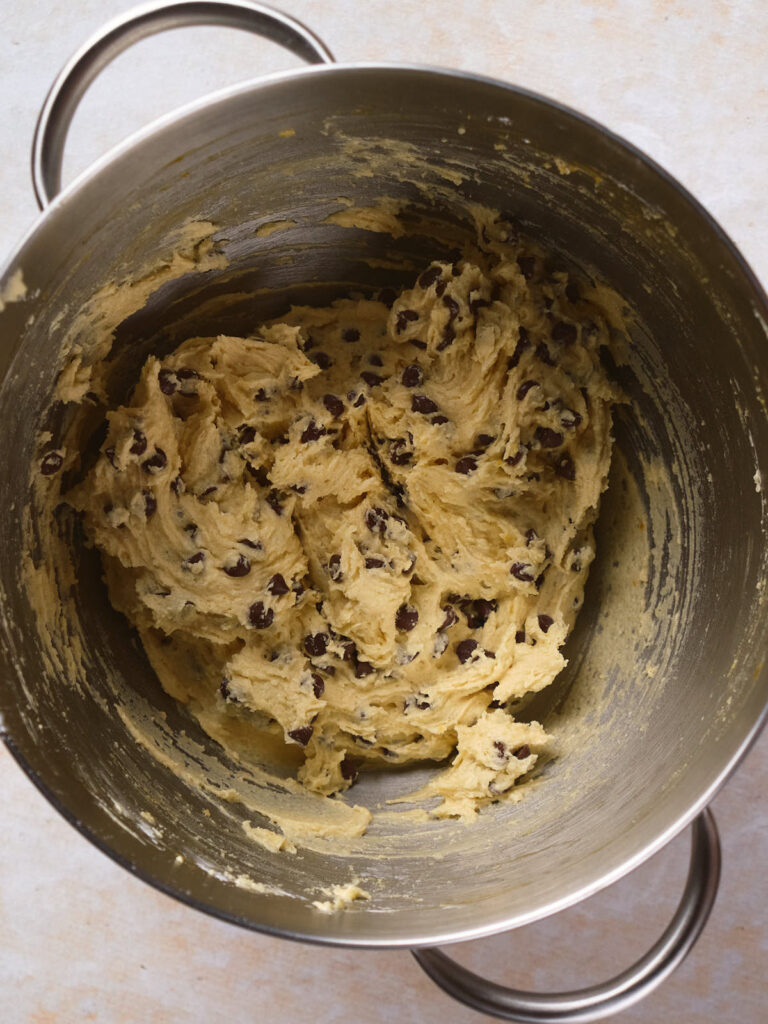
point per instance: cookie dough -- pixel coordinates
(361, 532)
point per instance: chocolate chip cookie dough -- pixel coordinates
(364, 530)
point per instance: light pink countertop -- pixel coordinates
(80, 939)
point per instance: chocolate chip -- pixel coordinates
(150, 504)
(512, 460)
(484, 440)
(375, 359)
(254, 545)
(451, 618)
(350, 334)
(430, 276)
(530, 536)
(359, 401)
(466, 465)
(570, 419)
(523, 343)
(197, 559)
(261, 395)
(296, 384)
(545, 621)
(277, 586)
(448, 338)
(477, 304)
(420, 403)
(312, 432)
(404, 317)
(406, 618)
(524, 388)
(522, 752)
(302, 735)
(177, 485)
(565, 468)
(437, 420)
(388, 296)
(318, 686)
(316, 644)
(453, 306)
(522, 571)
(52, 463)
(259, 474)
(350, 651)
(399, 452)
(543, 354)
(412, 376)
(208, 491)
(527, 266)
(240, 568)
(371, 379)
(520, 636)
(139, 445)
(167, 381)
(155, 463)
(109, 452)
(225, 691)
(564, 332)
(548, 438)
(246, 433)
(501, 749)
(186, 373)
(321, 359)
(478, 611)
(418, 344)
(348, 769)
(273, 500)
(465, 649)
(334, 568)
(376, 519)
(374, 563)
(362, 669)
(259, 616)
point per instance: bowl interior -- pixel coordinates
(666, 680)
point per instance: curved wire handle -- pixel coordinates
(591, 1004)
(120, 33)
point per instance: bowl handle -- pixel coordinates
(125, 30)
(627, 988)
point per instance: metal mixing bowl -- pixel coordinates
(666, 685)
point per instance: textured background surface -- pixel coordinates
(81, 940)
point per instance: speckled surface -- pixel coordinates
(80, 940)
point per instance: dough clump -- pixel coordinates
(365, 529)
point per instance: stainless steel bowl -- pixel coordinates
(667, 684)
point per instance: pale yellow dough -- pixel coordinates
(361, 531)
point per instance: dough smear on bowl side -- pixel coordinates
(363, 530)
